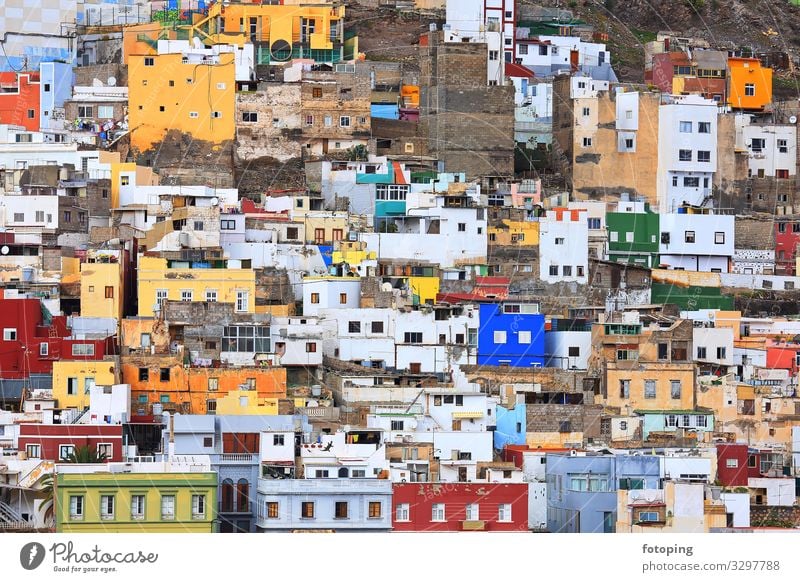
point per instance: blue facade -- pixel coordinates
(385, 110)
(511, 426)
(499, 338)
(582, 491)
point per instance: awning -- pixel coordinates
(472, 414)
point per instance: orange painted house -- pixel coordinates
(20, 99)
(166, 381)
(749, 84)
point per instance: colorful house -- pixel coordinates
(161, 280)
(511, 334)
(169, 92)
(56, 442)
(749, 84)
(177, 496)
(633, 237)
(19, 99)
(72, 381)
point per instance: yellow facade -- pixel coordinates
(426, 288)
(165, 93)
(286, 23)
(749, 84)
(129, 175)
(90, 487)
(246, 402)
(637, 375)
(72, 380)
(101, 290)
(537, 440)
(187, 284)
(352, 253)
(324, 227)
(515, 232)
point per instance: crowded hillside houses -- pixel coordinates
(255, 281)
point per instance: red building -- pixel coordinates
(53, 442)
(31, 343)
(460, 506)
(787, 236)
(19, 99)
(732, 468)
(782, 355)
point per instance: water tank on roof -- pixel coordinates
(316, 390)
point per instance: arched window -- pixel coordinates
(343, 472)
(227, 495)
(243, 495)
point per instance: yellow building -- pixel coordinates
(168, 92)
(125, 178)
(246, 402)
(524, 233)
(160, 280)
(159, 498)
(72, 380)
(424, 289)
(102, 285)
(353, 253)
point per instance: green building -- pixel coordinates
(633, 237)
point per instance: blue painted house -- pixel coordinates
(582, 490)
(511, 426)
(511, 334)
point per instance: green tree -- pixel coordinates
(86, 454)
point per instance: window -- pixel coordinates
(164, 374)
(76, 507)
(106, 507)
(167, 507)
(311, 347)
(307, 510)
(397, 425)
(64, 451)
(344, 121)
(278, 440)
(412, 337)
(354, 327)
(689, 182)
(67, 216)
(732, 463)
(494, 55)
(675, 389)
(472, 512)
(524, 337)
(340, 510)
(342, 298)
(721, 353)
(757, 144)
(272, 510)
(245, 338)
(783, 146)
(211, 295)
(242, 301)
(137, 507)
(649, 388)
(685, 155)
(554, 270)
(83, 349)
(376, 327)
(9, 334)
(499, 337)
(719, 238)
(559, 241)
(645, 516)
(85, 111)
(672, 420)
(566, 270)
(462, 227)
(186, 295)
(594, 223)
(198, 506)
(328, 121)
(375, 510)
(401, 512)
(315, 298)
(686, 127)
(629, 143)
(44, 349)
(702, 421)
(249, 116)
(624, 388)
(689, 236)
(701, 352)
(316, 92)
(227, 225)
(587, 142)
(149, 62)
(504, 512)
(704, 156)
(586, 112)
(437, 512)
(749, 90)
(704, 127)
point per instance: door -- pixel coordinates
(319, 235)
(573, 60)
(325, 145)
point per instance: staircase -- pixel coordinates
(10, 518)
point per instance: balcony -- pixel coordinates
(233, 508)
(473, 525)
(234, 459)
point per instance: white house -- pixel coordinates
(568, 349)
(329, 292)
(297, 341)
(771, 149)
(697, 242)
(109, 404)
(564, 246)
(713, 345)
(687, 151)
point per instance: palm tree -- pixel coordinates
(48, 489)
(86, 454)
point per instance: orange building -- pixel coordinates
(164, 380)
(20, 99)
(749, 84)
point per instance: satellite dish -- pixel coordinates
(793, 119)
(112, 81)
(214, 201)
(4, 250)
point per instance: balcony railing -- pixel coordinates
(236, 458)
(246, 508)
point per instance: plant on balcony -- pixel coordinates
(86, 454)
